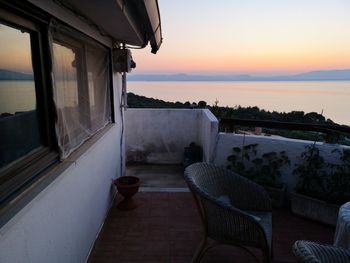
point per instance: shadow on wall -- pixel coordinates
(151, 154)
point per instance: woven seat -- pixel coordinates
(311, 252)
(234, 210)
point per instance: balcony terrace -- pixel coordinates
(166, 226)
(66, 133)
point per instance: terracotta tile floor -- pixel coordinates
(166, 228)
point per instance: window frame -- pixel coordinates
(15, 177)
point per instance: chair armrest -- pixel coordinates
(312, 252)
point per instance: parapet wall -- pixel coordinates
(293, 148)
(159, 136)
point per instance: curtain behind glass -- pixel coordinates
(98, 81)
(81, 90)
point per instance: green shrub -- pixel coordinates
(326, 181)
(264, 170)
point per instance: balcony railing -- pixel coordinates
(332, 132)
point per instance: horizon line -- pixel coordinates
(238, 74)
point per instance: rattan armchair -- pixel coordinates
(339, 252)
(235, 211)
(312, 252)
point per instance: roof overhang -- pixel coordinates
(133, 22)
(145, 14)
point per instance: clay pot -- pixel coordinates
(127, 186)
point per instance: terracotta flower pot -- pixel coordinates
(127, 186)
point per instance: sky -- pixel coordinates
(15, 52)
(262, 37)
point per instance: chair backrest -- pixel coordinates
(207, 180)
(342, 230)
(227, 220)
(213, 182)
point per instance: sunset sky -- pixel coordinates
(15, 51)
(264, 37)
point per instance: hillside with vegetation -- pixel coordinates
(251, 113)
(248, 113)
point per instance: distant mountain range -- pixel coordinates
(13, 75)
(343, 74)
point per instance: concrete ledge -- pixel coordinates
(167, 190)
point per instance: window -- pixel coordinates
(26, 144)
(19, 128)
(46, 115)
(81, 89)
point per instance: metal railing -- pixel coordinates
(332, 132)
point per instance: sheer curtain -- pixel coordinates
(98, 72)
(81, 89)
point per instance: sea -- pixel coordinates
(331, 98)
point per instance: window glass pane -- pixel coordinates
(81, 89)
(19, 129)
(67, 82)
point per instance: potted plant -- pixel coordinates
(127, 186)
(338, 183)
(264, 170)
(192, 154)
(322, 186)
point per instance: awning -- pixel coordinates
(146, 16)
(133, 22)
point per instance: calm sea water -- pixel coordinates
(331, 97)
(17, 96)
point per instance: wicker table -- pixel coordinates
(342, 232)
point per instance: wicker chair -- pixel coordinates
(235, 211)
(311, 252)
(339, 252)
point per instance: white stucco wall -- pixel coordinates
(293, 148)
(208, 129)
(160, 135)
(61, 223)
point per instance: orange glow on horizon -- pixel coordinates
(286, 62)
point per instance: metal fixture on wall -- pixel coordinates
(122, 60)
(123, 63)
